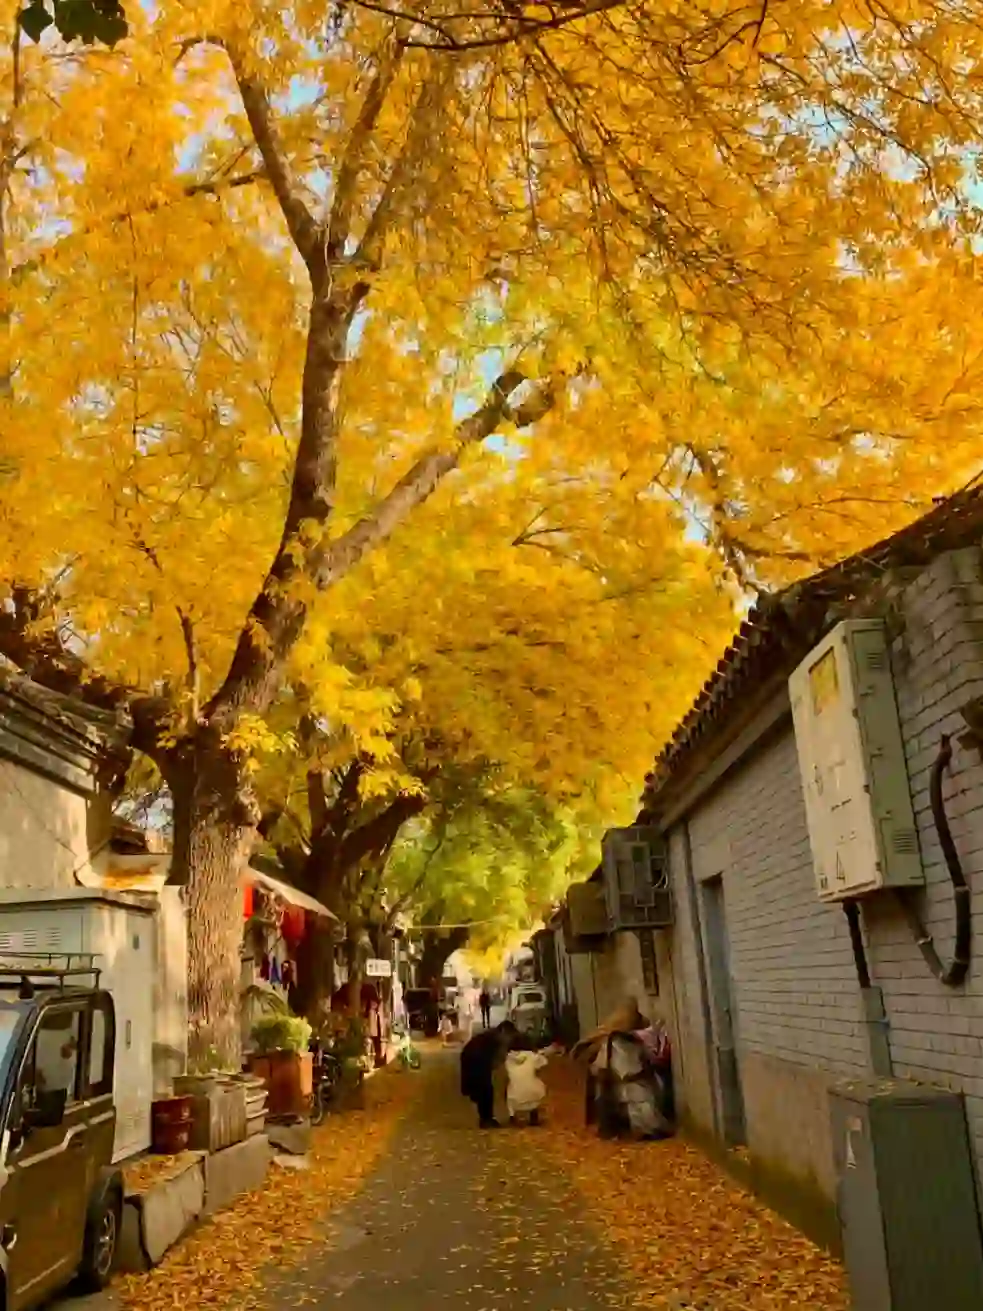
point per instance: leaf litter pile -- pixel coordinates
(691, 1237)
(222, 1263)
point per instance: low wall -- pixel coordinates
(159, 1215)
(788, 1123)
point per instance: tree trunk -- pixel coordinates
(213, 837)
(355, 958)
(315, 972)
(438, 947)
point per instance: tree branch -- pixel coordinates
(42, 657)
(317, 804)
(212, 187)
(193, 678)
(369, 253)
(377, 834)
(354, 157)
(421, 480)
(419, 883)
(301, 225)
(510, 27)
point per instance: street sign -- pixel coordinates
(378, 969)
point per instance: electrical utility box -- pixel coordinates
(119, 930)
(852, 763)
(907, 1198)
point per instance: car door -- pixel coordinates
(49, 1167)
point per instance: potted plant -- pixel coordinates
(283, 1060)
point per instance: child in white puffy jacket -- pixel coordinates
(526, 1090)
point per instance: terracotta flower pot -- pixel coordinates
(171, 1125)
(289, 1079)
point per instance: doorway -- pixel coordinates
(733, 1124)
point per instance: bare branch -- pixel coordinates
(508, 24)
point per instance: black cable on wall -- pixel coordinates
(953, 974)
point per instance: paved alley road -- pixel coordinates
(457, 1217)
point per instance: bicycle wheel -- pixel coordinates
(317, 1105)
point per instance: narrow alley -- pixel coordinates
(406, 1205)
(456, 1217)
(551, 1219)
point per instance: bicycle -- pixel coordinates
(326, 1078)
(406, 1054)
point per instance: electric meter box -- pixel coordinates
(852, 764)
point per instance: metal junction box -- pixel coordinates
(906, 1197)
(851, 759)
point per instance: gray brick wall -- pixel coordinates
(796, 999)
(694, 1093)
(792, 968)
(937, 1032)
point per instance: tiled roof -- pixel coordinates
(97, 732)
(781, 629)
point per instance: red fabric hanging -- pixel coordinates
(247, 901)
(293, 925)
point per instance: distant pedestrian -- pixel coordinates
(485, 1003)
(479, 1059)
(445, 1028)
(374, 1024)
(465, 1013)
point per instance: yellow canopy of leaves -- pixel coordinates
(738, 256)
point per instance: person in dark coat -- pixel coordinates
(484, 1002)
(479, 1058)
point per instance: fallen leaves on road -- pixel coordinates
(692, 1238)
(222, 1263)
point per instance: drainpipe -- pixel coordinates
(701, 967)
(872, 997)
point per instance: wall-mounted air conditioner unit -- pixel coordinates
(852, 764)
(636, 879)
(588, 910)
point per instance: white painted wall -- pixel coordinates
(43, 831)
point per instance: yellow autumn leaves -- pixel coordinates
(744, 257)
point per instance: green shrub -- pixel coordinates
(350, 1045)
(281, 1033)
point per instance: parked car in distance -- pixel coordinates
(528, 1012)
(525, 994)
(422, 1010)
(61, 1198)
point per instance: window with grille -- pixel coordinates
(650, 964)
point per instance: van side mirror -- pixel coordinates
(48, 1110)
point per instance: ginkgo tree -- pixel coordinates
(512, 662)
(486, 873)
(275, 278)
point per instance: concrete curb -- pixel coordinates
(158, 1218)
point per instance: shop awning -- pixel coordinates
(257, 878)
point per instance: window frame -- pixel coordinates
(103, 1086)
(78, 1007)
(648, 953)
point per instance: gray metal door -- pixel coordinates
(724, 1019)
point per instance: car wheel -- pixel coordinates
(101, 1243)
